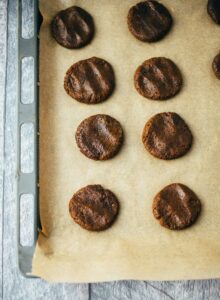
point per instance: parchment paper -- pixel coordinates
(136, 246)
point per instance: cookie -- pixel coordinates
(213, 9)
(90, 81)
(158, 78)
(94, 208)
(167, 136)
(99, 137)
(73, 27)
(149, 21)
(216, 66)
(176, 206)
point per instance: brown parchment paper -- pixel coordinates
(136, 246)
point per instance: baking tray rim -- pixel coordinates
(28, 183)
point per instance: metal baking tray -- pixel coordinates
(27, 183)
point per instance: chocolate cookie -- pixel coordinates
(90, 81)
(216, 65)
(176, 206)
(94, 208)
(167, 136)
(73, 27)
(158, 78)
(149, 21)
(213, 9)
(99, 137)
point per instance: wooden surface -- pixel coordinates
(13, 284)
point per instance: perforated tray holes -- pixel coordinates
(27, 80)
(26, 220)
(28, 18)
(27, 148)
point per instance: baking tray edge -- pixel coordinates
(28, 183)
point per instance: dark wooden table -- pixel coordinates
(13, 284)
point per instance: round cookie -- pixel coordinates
(216, 65)
(158, 78)
(90, 81)
(99, 137)
(94, 208)
(149, 21)
(176, 206)
(213, 9)
(167, 136)
(73, 27)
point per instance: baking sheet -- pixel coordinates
(136, 246)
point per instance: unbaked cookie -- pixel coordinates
(99, 137)
(213, 9)
(167, 136)
(94, 208)
(90, 81)
(176, 206)
(216, 65)
(149, 21)
(73, 27)
(158, 78)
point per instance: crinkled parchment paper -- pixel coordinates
(136, 246)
